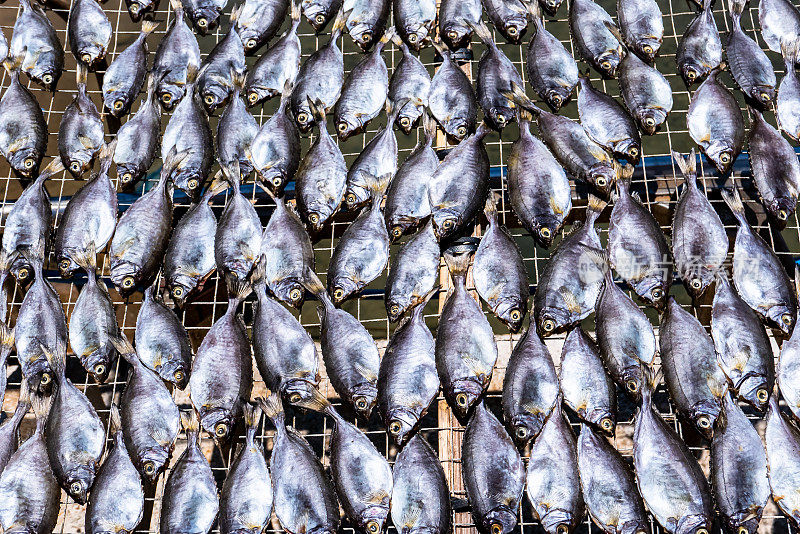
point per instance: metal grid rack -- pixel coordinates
(654, 180)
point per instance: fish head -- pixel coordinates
(544, 229)
(396, 306)
(462, 395)
(296, 390)
(501, 520)
(66, 265)
(783, 317)
(500, 116)
(446, 222)
(342, 287)
(175, 371)
(356, 196)
(97, 364)
(303, 116)
(550, 6)
(347, 126)
(79, 480)
(632, 380)
(455, 34)
(401, 422)
(634, 527)
(290, 290)
(551, 320)
(514, 27)
(648, 46)
(557, 97)
(363, 34)
(704, 416)
(318, 13)
(91, 54)
(603, 419)
(694, 524)
(457, 128)
(80, 163)
(45, 74)
(511, 311)
(214, 96)
(251, 39)
(603, 177)
(764, 95)
(559, 521)
(205, 18)
(126, 276)
(742, 523)
(697, 278)
(363, 397)
(216, 421)
(654, 289)
(781, 208)
(21, 270)
(188, 179)
(169, 94)
(408, 118)
(608, 62)
(418, 34)
(180, 289)
(526, 426)
(117, 103)
(722, 155)
(25, 161)
(651, 119)
(316, 216)
(40, 376)
(259, 93)
(631, 149)
(373, 517)
(138, 9)
(152, 462)
(692, 73)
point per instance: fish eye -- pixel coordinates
(23, 273)
(786, 319)
(647, 49)
(521, 432)
(46, 379)
(221, 430)
(209, 100)
(394, 309)
(351, 198)
(765, 97)
(452, 35)
(302, 117)
(724, 158)
(75, 166)
(320, 19)
(75, 487)
(166, 98)
(395, 427)
(501, 119)
(366, 37)
(86, 57)
(657, 293)
(64, 265)
(178, 376)
(632, 385)
(601, 181)
(128, 282)
(704, 422)
(783, 215)
(633, 152)
(413, 38)
(515, 315)
(251, 43)
(650, 121)
(338, 293)
(252, 97)
(149, 468)
(405, 122)
(177, 292)
(397, 231)
(607, 424)
(294, 398)
(277, 181)
(202, 22)
(696, 283)
(342, 127)
(461, 131)
(118, 105)
(361, 403)
(448, 224)
(545, 232)
(701, 530)
(512, 30)
(313, 218)
(47, 79)
(192, 183)
(556, 99)
(497, 528)
(605, 65)
(462, 400)
(29, 163)
(373, 527)
(126, 178)
(742, 530)
(548, 325)
(691, 75)
(295, 294)
(134, 9)
(99, 369)
(562, 529)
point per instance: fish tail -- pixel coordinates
(116, 419)
(252, 417)
(377, 185)
(177, 6)
(148, 27)
(24, 401)
(707, 4)
(387, 36)
(429, 127)
(518, 96)
(239, 80)
(490, 208)
(624, 176)
(86, 259)
(650, 383)
(41, 408)
(54, 167)
(257, 277)
(314, 285)
(534, 11)
(273, 409)
(789, 51)
(81, 74)
(57, 359)
(733, 199)
(796, 279)
(235, 13)
(594, 208)
(317, 111)
(295, 12)
(417, 311)
(173, 161)
(482, 31)
(237, 289)
(338, 25)
(318, 403)
(457, 262)
(124, 348)
(441, 49)
(217, 186)
(6, 343)
(737, 8)
(399, 43)
(686, 165)
(190, 423)
(106, 155)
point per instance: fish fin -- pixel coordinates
(54, 167)
(56, 358)
(555, 206)
(217, 186)
(482, 31)
(190, 422)
(124, 348)
(370, 374)
(273, 408)
(318, 111)
(86, 143)
(387, 36)
(377, 496)
(475, 366)
(295, 11)
(518, 96)
(457, 262)
(116, 420)
(338, 24)
(18, 143)
(106, 154)
(614, 31)
(149, 26)
(412, 514)
(569, 300)
(733, 199)
(6, 340)
(600, 259)
(717, 389)
(796, 279)
(789, 51)
(596, 206)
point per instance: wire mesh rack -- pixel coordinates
(654, 181)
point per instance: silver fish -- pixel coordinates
(782, 443)
(407, 379)
(259, 20)
(552, 71)
(190, 499)
(496, 76)
(205, 14)
(413, 273)
(750, 66)
(465, 345)
(494, 475)
(758, 274)
(451, 100)
(699, 240)
(788, 98)
(224, 64)
(177, 59)
(245, 504)
(124, 78)
(275, 150)
(596, 36)
(414, 21)
(116, 503)
(695, 382)
(743, 349)
(162, 342)
(410, 81)
(454, 18)
(509, 17)
(780, 22)
(137, 139)
(88, 33)
(641, 26)
(23, 130)
(36, 46)
(80, 134)
(608, 123)
(376, 162)
(646, 93)
(530, 388)
(586, 387)
(9, 430)
(236, 130)
(366, 20)
(788, 366)
(700, 48)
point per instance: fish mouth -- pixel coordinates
(603, 177)
(40, 376)
(417, 36)
(551, 6)
(216, 421)
(551, 321)
(364, 36)
(395, 309)
(628, 149)
(373, 517)
(608, 63)
(456, 35)
(176, 373)
(558, 521)
(648, 48)
(77, 486)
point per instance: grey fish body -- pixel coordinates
(608, 123)
(494, 475)
(74, 435)
(222, 371)
(715, 122)
(320, 78)
(304, 498)
(699, 240)
(586, 387)
(551, 69)
(743, 349)
(177, 59)
(496, 76)
(454, 19)
(23, 130)
(695, 382)
(88, 221)
(80, 134)
(538, 188)
(410, 80)
(413, 273)
(780, 22)
(276, 67)
(739, 469)
(89, 33)
(286, 254)
(414, 21)
(36, 44)
(320, 12)
(235, 133)
(377, 162)
(40, 326)
(509, 17)
(750, 66)
(349, 352)
(758, 274)
(189, 259)
(553, 483)
(530, 388)
(782, 443)
(9, 431)
(637, 248)
(29, 492)
(124, 78)
(258, 21)
(138, 9)
(668, 476)
(366, 20)
(150, 419)
(162, 342)
(237, 242)
(788, 98)
(407, 195)
(215, 80)
(137, 140)
(596, 43)
(321, 179)
(499, 272)
(776, 171)
(459, 186)
(465, 345)
(646, 93)
(451, 100)
(285, 353)
(625, 337)
(245, 504)
(363, 94)
(116, 503)
(204, 14)
(700, 48)
(787, 371)
(641, 26)
(190, 502)
(571, 281)
(275, 149)
(420, 497)
(609, 487)
(407, 379)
